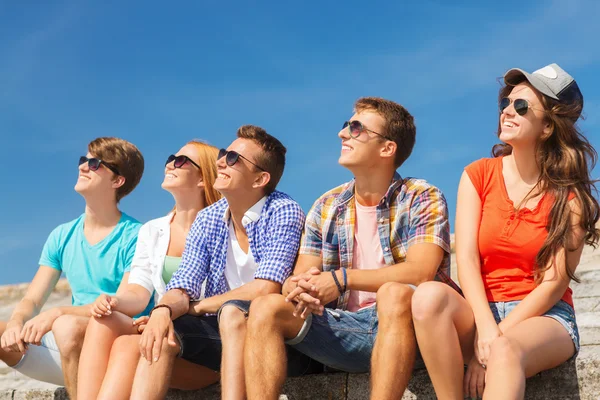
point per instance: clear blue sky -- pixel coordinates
(159, 76)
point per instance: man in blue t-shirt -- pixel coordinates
(94, 252)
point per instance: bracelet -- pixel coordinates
(165, 306)
(345, 279)
(337, 283)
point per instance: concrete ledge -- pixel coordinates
(579, 380)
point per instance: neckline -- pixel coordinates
(507, 198)
(105, 238)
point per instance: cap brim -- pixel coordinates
(515, 76)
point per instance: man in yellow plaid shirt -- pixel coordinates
(366, 245)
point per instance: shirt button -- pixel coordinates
(386, 249)
(381, 220)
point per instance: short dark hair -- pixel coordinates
(124, 157)
(272, 157)
(399, 124)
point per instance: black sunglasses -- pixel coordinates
(356, 128)
(231, 157)
(94, 164)
(179, 161)
(521, 105)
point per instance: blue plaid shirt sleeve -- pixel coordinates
(283, 239)
(312, 241)
(194, 261)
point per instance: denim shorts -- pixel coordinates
(339, 339)
(561, 312)
(200, 342)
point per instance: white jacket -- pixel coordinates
(149, 259)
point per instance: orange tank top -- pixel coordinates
(509, 239)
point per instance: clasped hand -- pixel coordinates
(313, 290)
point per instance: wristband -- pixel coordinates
(337, 283)
(165, 306)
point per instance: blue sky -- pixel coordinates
(159, 76)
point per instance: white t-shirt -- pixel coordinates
(240, 267)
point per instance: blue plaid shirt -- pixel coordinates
(274, 240)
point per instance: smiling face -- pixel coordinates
(97, 182)
(188, 177)
(524, 129)
(242, 177)
(366, 148)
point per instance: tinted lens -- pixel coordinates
(222, 153)
(82, 160)
(232, 158)
(93, 164)
(505, 102)
(170, 159)
(180, 161)
(356, 127)
(521, 106)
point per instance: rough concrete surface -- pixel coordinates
(575, 380)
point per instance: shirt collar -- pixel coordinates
(348, 192)
(251, 215)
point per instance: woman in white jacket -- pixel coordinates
(110, 353)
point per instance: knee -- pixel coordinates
(504, 352)
(429, 301)
(126, 343)
(231, 321)
(69, 332)
(266, 310)
(394, 300)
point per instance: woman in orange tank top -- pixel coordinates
(522, 220)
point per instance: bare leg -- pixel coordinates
(395, 346)
(124, 359)
(69, 333)
(120, 371)
(99, 338)
(440, 312)
(152, 380)
(232, 327)
(534, 345)
(270, 322)
(9, 357)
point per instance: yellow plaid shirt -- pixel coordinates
(412, 211)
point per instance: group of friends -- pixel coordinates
(237, 284)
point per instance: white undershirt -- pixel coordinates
(240, 267)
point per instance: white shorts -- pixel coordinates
(42, 363)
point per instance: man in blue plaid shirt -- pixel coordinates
(241, 247)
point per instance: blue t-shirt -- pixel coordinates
(92, 270)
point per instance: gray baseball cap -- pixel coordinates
(551, 80)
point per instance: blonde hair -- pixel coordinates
(207, 160)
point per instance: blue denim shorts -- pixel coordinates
(339, 339)
(561, 312)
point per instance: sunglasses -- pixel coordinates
(231, 157)
(94, 164)
(356, 128)
(179, 161)
(521, 105)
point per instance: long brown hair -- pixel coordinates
(565, 158)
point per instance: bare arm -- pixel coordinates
(421, 265)
(38, 292)
(556, 280)
(249, 291)
(468, 218)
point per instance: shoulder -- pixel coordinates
(484, 164)
(279, 200)
(417, 186)
(212, 214)
(65, 228)
(331, 196)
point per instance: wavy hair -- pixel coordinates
(565, 158)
